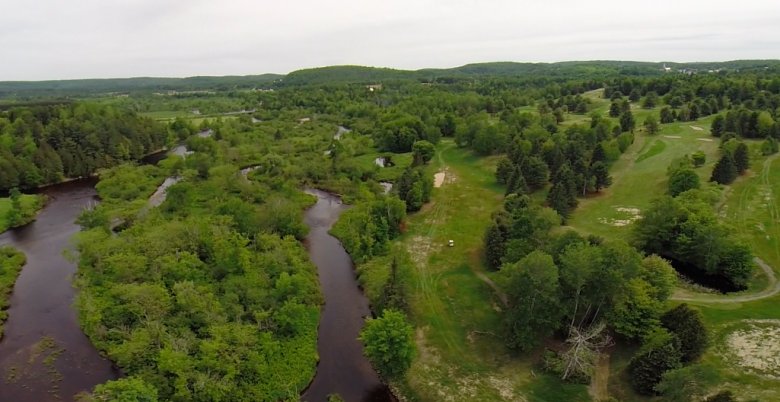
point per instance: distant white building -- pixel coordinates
(667, 69)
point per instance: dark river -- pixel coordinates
(44, 356)
(342, 368)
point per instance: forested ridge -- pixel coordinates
(45, 144)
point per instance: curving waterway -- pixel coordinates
(342, 368)
(44, 355)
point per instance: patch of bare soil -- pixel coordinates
(756, 348)
(438, 179)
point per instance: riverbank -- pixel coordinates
(11, 262)
(44, 355)
(31, 205)
(342, 368)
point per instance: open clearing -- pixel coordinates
(453, 301)
(757, 347)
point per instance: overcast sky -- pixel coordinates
(59, 39)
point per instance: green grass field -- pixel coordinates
(457, 314)
(748, 205)
(639, 176)
(30, 204)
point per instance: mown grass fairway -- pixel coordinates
(639, 176)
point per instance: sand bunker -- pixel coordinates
(696, 128)
(672, 136)
(438, 179)
(757, 347)
(705, 139)
(629, 216)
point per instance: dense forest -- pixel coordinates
(46, 144)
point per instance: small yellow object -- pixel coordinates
(452, 243)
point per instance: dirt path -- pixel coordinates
(500, 293)
(772, 289)
(598, 388)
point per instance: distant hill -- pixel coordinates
(363, 75)
(65, 88)
(567, 69)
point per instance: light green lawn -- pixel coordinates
(639, 176)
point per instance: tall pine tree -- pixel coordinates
(725, 170)
(741, 158)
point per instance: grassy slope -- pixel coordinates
(29, 204)
(748, 205)
(462, 357)
(640, 176)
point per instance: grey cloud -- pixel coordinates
(50, 39)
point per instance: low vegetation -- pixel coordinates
(11, 262)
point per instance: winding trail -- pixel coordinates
(772, 289)
(599, 382)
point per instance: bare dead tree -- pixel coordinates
(584, 350)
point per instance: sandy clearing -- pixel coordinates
(697, 128)
(438, 179)
(672, 136)
(757, 347)
(634, 215)
(705, 139)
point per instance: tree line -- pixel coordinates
(44, 144)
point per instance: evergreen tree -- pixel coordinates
(651, 125)
(563, 194)
(393, 294)
(495, 245)
(601, 175)
(504, 171)
(614, 109)
(667, 115)
(536, 172)
(688, 325)
(627, 122)
(650, 100)
(718, 126)
(741, 158)
(517, 182)
(660, 354)
(599, 154)
(725, 170)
